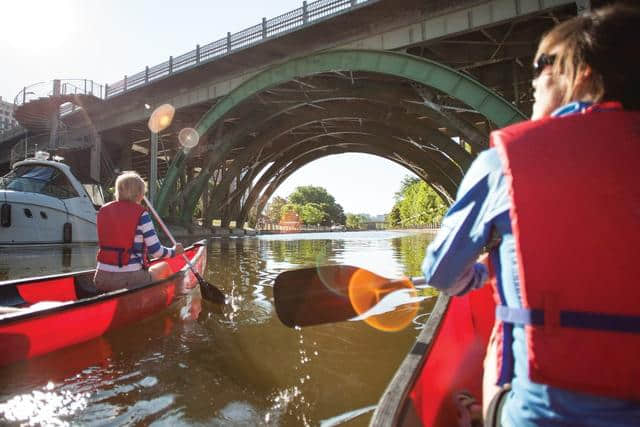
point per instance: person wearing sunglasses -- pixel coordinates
(556, 200)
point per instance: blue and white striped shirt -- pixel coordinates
(145, 236)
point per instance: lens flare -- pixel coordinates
(367, 289)
(188, 137)
(161, 118)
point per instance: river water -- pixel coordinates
(211, 365)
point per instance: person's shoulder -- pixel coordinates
(485, 163)
(144, 217)
(483, 166)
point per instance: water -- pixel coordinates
(231, 365)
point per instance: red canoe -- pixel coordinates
(446, 359)
(63, 310)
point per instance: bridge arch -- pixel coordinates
(412, 68)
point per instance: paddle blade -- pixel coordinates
(313, 296)
(395, 300)
(210, 292)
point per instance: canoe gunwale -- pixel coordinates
(393, 403)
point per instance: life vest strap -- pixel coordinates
(571, 319)
(120, 251)
(602, 321)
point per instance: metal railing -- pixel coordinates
(308, 14)
(67, 87)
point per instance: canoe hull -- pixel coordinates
(446, 359)
(35, 332)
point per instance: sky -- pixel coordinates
(42, 40)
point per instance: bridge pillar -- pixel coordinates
(95, 157)
(54, 118)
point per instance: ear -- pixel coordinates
(583, 86)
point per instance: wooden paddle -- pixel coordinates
(208, 291)
(318, 295)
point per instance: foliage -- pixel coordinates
(355, 221)
(312, 213)
(322, 200)
(416, 204)
(393, 218)
(274, 209)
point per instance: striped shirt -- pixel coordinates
(145, 236)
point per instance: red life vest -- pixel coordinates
(575, 215)
(117, 223)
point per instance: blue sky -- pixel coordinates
(104, 40)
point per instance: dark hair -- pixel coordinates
(606, 40)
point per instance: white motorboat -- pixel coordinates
(42, 202)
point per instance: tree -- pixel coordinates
(312, 213)
(318, 195)
(274, 209)
(393, 219)
(416, 204)
(354, 221)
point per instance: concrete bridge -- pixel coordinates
(418, 82)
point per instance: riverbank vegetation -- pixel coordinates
(309, 205)
(417, 204)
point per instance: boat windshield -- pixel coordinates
(95, 193)
(40, 179)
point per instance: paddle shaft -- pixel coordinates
(167, 232)
(211, 291)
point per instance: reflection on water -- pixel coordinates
(233, 365)
(30, 261)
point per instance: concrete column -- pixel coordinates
(153, 167)
(96, 150)
(53, 119)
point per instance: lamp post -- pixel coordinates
(159, 120)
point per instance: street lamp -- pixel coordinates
(159, 120)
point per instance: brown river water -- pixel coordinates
(213, 366)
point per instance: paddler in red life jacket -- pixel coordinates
(126, 236)
(562, 194)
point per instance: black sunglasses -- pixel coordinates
(541, 63)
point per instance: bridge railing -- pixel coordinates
(304, 16)
(67, 87)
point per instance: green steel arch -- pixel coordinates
(421, 70)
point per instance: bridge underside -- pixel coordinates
(431, 119)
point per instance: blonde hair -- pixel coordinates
(603, 40)
(130, 186)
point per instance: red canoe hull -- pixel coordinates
(446, 359)
(31, 333)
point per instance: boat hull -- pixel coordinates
(39, 219)
(446, 359)
(76, 316)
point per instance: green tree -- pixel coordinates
(393, 218)
(274, 209)
(354, 221)
(416, 204)
(312, 214)
(318, 195)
